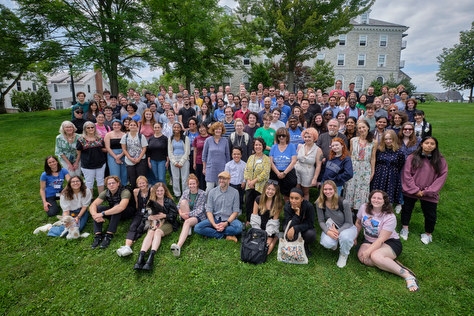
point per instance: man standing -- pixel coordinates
(254, 105)
(267, 103)
(295, 131)
(351, 90)
(338, 89)
(222, 209)
(285, 109)
(379, 110)
(403, 100)
(370, 95)
(352, 110)
(314, 107)
(186, 112)
(291, 102)
(117, 198)
(81, 103)
(332, 106)
(141, 106)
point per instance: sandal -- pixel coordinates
(412, 282)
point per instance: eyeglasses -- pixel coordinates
(90, 127)
(393, 110)
(274, 182)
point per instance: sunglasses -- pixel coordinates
(274, 182)
(281, 136)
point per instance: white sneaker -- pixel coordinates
(190, 231)
(426, 239)
(404, 233)
(398, 208)
(124, 251)
(341, 262)
(175, 250)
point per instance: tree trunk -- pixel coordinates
(291, 75)
(3, 109)
(470, 95)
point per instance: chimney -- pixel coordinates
(99, 88)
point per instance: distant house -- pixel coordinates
(370, 51)
(21, 85)
(448, 96)
(59, 86)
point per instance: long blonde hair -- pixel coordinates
(277, 204)
(322, 199)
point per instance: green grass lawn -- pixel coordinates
(41, 275)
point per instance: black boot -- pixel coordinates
(149, 263)
(97, 241)
(140, 261)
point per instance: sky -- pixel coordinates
(433, 25)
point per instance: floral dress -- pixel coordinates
(357, 189)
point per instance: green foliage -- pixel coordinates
(456, 64)
(322, 75)
(54, 276)
(259, 72)
(391, 83)
(193, 40)
(123, 84)
(108, 34)
(25, 48)
(31, 101)
(297, 30)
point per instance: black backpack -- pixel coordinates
(254, 246)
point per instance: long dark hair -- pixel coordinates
(47, 168)
(69, 193)
(386, 207)
(435, 158)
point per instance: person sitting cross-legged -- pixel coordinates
(222, 209)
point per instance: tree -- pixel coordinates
(456, 64)
(193, 40)
(297, 29)
(322, 75)
(25, 49)
(259, 74)
(108, 34)
(31, 101)
(391, 83)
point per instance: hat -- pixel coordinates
(224, 174)
(79, 110)
(293, 117)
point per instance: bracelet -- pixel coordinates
(228, 223)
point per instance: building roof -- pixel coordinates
(448, 95)
(65, 77)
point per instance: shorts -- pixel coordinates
(167, 229)
(393, 243)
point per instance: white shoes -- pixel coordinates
(398, 208)
(342, 261)
(176, 250)
(404, 233)
(334, 248)
(426, 239)
(124, 251)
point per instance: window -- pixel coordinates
(340, 59)
(245, 81)
(380, 79)
(359, 83)
(246, 61)
(381, 60)
(361, 60)
(18, 85)
(364, 18)
(55, 87)
(33, 85)
(58, 104)
(88, 88)
(362, 40)
(342, 40)
(226, 81)
(320, 56)
(383, 40)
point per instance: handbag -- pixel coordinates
(292, 251)
(254, 246)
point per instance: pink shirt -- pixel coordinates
(375, 223)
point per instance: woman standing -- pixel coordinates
(308, 164)
(335, 220)
(91, 151)
(146, 124)
(408, 141)
(101, 128)
(92, 112)
(422, 127)
(341, 118)
(115, 154)
(381, 244)
(380, 126)
(350, 131)
(215, 155)
(276, 123)
(134, 147)
(362, 151)
(168, 126)
(205, 116)
(157, 153)
(198, 146)
(424, 175)
(283, 158)
(339, 166)
(191, 209)
(389, 161)
(161, 202)
(178, 153)
(256, 174)
(192, 132)
(319, 123)
(51, 184)
(240, 139)
(65, 148)
(266, 213)
(301, 214)
(131, 112)
(252, 126)
(397, 120)
(75, 200)
(410, 109)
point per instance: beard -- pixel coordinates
(332, 133)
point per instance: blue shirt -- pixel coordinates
(282, 159)
(54, 184)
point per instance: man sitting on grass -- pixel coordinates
(222, 209)
(118, 198)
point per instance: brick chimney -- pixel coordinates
(99, 88)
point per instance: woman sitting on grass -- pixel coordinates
(266, 212)
(191, 208)
(381, 244)
(75, 200)
(161, 202)
(335, 220)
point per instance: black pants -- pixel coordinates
(250, 196)
(139, 169)
(127, 213)
(428, 208)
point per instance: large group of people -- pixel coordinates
(256, 153)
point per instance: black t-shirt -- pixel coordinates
(157, 148)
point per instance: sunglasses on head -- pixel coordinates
(274, 182)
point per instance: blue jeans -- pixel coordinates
(116, 169)
(158, 167)
(205, 228)
(83, 220)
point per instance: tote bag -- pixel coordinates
(292, 251)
